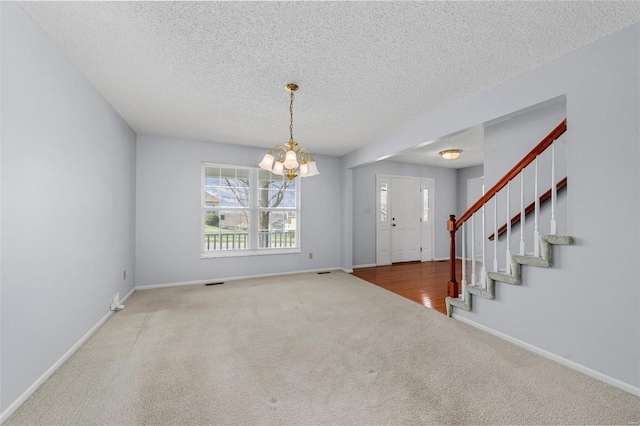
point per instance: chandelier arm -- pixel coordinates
(303, 154)
(281, 151)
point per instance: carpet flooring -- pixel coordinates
(308, 349)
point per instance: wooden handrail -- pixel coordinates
(528, 159)
(531, 207)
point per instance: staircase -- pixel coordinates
(514, 278)
(543, 249)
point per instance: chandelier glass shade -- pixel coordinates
(286, 159)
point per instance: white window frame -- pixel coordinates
(253, 210)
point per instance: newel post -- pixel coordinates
(453, 288)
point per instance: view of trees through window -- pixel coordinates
(248, 209)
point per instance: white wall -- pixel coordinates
(587, 308)
(364, 205)
(169, 214)
(68, 200)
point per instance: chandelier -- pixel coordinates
(286, 159)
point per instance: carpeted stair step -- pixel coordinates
(515, 277)
(488, 293)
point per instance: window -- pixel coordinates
(248, 211)
(383, 202)
(425, 204)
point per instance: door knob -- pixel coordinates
(393, 224)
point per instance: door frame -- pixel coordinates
(383, 244)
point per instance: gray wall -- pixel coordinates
(590, 297)
(506, 143)
(68, 200)
(461, 186)
(586, 309)
(364, 205)
(168, 214)
(462, 175)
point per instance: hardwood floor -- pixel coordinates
(423, 282)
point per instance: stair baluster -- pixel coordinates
(483, 270)
(508, 262)
(464, 263)
(495, 232)
(536, 232)
(473, 250)
(522, 214)
(554, 190)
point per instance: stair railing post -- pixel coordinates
(452, 289)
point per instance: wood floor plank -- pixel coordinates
(422, 282)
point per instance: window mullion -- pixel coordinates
(253, 209)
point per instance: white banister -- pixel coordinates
(536, 232)
(483, 270)
(522, 213)
(554, 191)
(495, 233)
(464, 262)
(473, 249)
(508, 254)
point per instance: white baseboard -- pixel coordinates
(371, 265)
(440, 259)
(557, 358)
(346, 271)
(31, 389)
(200, 282)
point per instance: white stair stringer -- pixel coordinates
(544, 261)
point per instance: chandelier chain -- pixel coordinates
(291, 118)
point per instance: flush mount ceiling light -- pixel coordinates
(286, 159)
(450, 154)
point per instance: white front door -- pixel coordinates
(405, 211)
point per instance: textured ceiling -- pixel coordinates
(216, 71)
(471, 143)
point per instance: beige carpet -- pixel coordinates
(308, 349)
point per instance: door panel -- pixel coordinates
(406, 209)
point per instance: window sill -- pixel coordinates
(246, 253)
